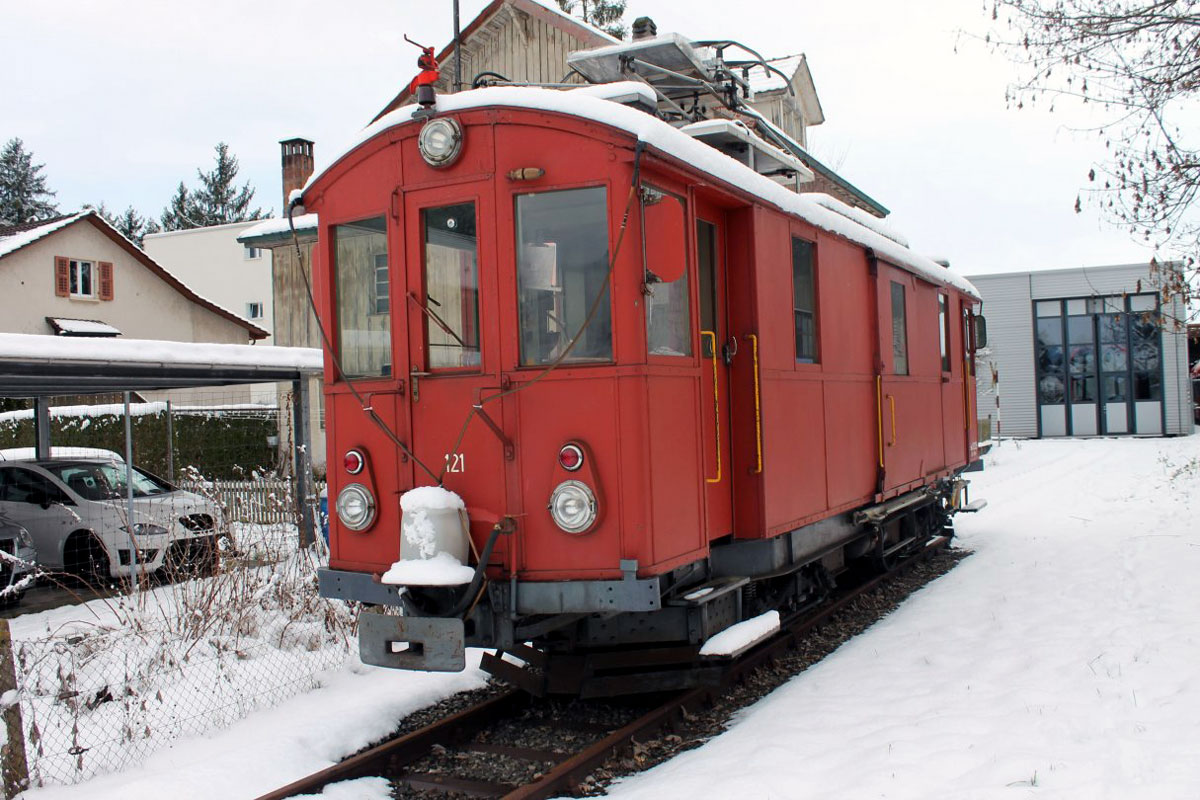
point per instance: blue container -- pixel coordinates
(323, 507)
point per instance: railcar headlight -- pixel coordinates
(355, 507)
(573, 506)
(440, 141)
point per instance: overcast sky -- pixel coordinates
(122, 99)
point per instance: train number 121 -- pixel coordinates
(456, 462)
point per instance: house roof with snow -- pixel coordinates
(17, 237)
(768, 82)
(277, 231)
(493, 17)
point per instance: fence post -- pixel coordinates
(12, 754)
(170, 445)
(302, 445)
(41, 425)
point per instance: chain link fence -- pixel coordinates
(202, 643)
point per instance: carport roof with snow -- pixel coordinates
(45, 366)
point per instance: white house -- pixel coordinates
(75, 275)
(217, 266)
(1093, 351)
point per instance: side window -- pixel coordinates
(899, 331)
(804, 299)
(944, 329)
(364, 332)
(562, 276)
(23, 486)
(664, 249)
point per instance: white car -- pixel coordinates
(77, 512)
(17, 560)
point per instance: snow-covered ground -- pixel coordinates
(1062, 660)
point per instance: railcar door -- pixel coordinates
(450, 258)
(717, 351)
(908, 422)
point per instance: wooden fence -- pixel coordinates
(264, 501)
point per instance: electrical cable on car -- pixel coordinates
(426, 79)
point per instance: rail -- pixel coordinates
(391, 759)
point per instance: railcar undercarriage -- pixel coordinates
(598, 638)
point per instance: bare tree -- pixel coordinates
(1139, 62)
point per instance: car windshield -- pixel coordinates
(105, 481)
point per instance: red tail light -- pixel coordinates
(570, 457)
(353, 462)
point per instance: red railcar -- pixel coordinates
(671, 393)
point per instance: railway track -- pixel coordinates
(519, 747)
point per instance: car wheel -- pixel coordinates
(86, 559)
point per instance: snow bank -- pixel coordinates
(441, 570)
(742, 635)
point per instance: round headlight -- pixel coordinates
(573, 507)
(440, 141)
(355, 507)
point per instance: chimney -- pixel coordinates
(644, 28)
(297, 165)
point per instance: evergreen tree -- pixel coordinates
(132, 225)
(604, 14)
(23, 193)
(175, 217)
(217, 201)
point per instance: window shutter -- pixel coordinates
(106, 280)
(62, 277)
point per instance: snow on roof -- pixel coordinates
(553, 7)
(764, 80)
(82, 327)
(675, 143)
(154, 352)
(17, 240)
(277, 226)
(30, 453)
(862, 218)
(619, 91)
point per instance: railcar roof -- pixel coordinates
(673, 142)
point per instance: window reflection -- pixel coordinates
(451, 286)
(364, 324)
(562, 268)
(664, 248)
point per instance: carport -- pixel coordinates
(40, 367)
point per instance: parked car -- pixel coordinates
(77, 512)
(17, 561)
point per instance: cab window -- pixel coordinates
(562, 276)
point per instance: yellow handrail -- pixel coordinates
(716, 403)
(892, 402)
(757, 405)
(879, 413)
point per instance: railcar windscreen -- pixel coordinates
(562, 262)
(664, 248)
(364, 319)
(451, 286)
